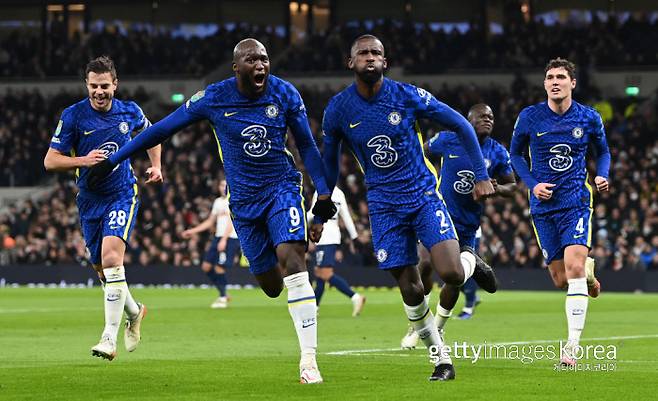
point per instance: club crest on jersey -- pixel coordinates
(382, 255)
(272, 111)
(487, 163)
(577, 132)
(124, 128)
(394, 118)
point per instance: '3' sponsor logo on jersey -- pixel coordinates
(258, 145)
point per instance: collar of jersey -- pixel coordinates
(566, 113)
(375, 98)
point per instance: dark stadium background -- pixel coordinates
(463, 52)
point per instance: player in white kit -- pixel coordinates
(222, 249)
(325, 252)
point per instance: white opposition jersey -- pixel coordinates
(331, 232)
(220, 209)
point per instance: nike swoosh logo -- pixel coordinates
(227, 114)
(292, 230)
(89, 132)
(355, 125)
(578, 236)
(453, 156)
(307, 325)
(541, 133)
(445, 230)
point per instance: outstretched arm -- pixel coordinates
(155, 134)
(152, 136)
(309, 152)
(205, 225)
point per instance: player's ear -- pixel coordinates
(573, 83)
(350, 63)
(385, 63)
(234, 67)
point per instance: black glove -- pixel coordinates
(97, 173)
(324, 209)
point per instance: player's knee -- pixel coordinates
(576, 268)
(220, 269)
(111, 258)
(453, 275)
(412, 293)
(205, 266)
(273, 291)
(425, 268)
(560, 280)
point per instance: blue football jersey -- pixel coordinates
(457, 179)
(82, 129)
(385, 138)
(557, 146)
(251, 134)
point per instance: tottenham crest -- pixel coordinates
(394, 118)
(124, 128)
(577, 132)
(272, 111)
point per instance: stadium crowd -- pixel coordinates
(420, 49)
(139, 51)
(417, 47)
(625, 221)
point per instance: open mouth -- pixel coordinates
(370, 67)
(259, 79)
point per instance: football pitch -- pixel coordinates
(250, 352)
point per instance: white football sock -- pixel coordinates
(576, 308)
(468, 310)
(115, 291)
(468, 264)
(303, 310)
(423, 322)
(131, 308)
(442, 316)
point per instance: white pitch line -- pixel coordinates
(380, 350)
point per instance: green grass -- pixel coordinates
(250, 351)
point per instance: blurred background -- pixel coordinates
(464, 52)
